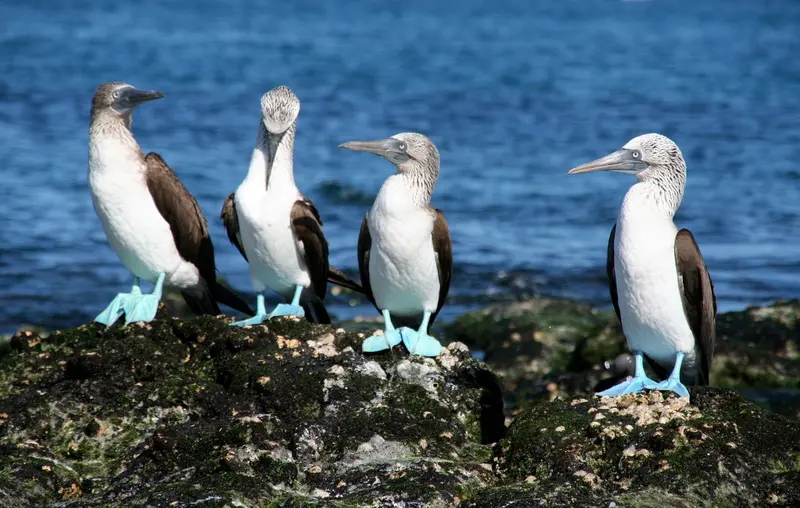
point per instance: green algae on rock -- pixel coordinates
(175, 412)
(647, 450)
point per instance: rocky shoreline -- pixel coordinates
(195, 413)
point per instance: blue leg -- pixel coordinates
(144, 307)
(639, 382)
(115, 309)
(419, 342)
(289, 309)
(673, 382)
(388, 340)
(260, 317)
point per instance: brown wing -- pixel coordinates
(612, 274)
(364, 247)
(231, 222)
(443, 247)
(308, 229)
(182, 213)
(699, 301)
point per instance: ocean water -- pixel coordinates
(513, 93)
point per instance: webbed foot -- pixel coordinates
(634, 385)
(673, 385)
(287, 309)
(376, 343)
(260, 317)
(141, 308)
(114, 310)
(420, 343)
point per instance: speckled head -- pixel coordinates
(120, 97)
(648, 155)
(406, 150)
(279, 109)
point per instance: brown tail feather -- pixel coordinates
(315, 309)
(201, 305)
(338, 277)
(227, 296)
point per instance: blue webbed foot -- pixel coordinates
(376, 343)
(420, 343)
(114, 310)
(634, 385)
(141, 308)
(255, 320)
(287, 309)
(673, 385)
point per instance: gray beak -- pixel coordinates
(388, 148)
(136, 97)
(622, 161)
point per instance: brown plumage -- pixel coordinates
(307, 227)
(190, 232)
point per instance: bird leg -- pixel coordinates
(115, 309)
(260, 317)
(639, 382)
(390, 338)
(673, 382)
(290, 309)
(419, 342)
(141, 307)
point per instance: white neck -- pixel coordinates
(279, 174)
(650, 198)
(112, 147)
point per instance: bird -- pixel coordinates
(659, 283)
(405, 253)
(276, 229)
(149, 218)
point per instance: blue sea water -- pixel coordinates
(514, 93)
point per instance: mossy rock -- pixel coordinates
(648, 450)
(174, 412)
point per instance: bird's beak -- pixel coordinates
(621, 160)
(388, 148)
(136, 97)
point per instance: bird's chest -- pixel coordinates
(403, 268)
(648, 290)
(268, 237)
(133, 225)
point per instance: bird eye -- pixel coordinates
(401, 146)
(115, 94)
(635, 154)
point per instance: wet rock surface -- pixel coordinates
(197, 413)
(547, 348)
(174, 413)
(648, 450)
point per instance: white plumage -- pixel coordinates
(648, 289)
(133, 225)
(265, 226)
(402, 265)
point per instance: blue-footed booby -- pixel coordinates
(277, 230)
(150, 220)
(405, 254)
(660, 287)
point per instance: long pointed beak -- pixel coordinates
(622, 161)
(388, 148)
(136, 97)
(380, 147)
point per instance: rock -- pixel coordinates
(546, 348)
(647, 450)
(180, 413)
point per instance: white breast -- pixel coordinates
(648, 291)
(133, 225)
(275, 256)
(402, 266)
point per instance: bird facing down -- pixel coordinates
(276, 229)
(150, 220)
(405, 254)
(659, 284)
